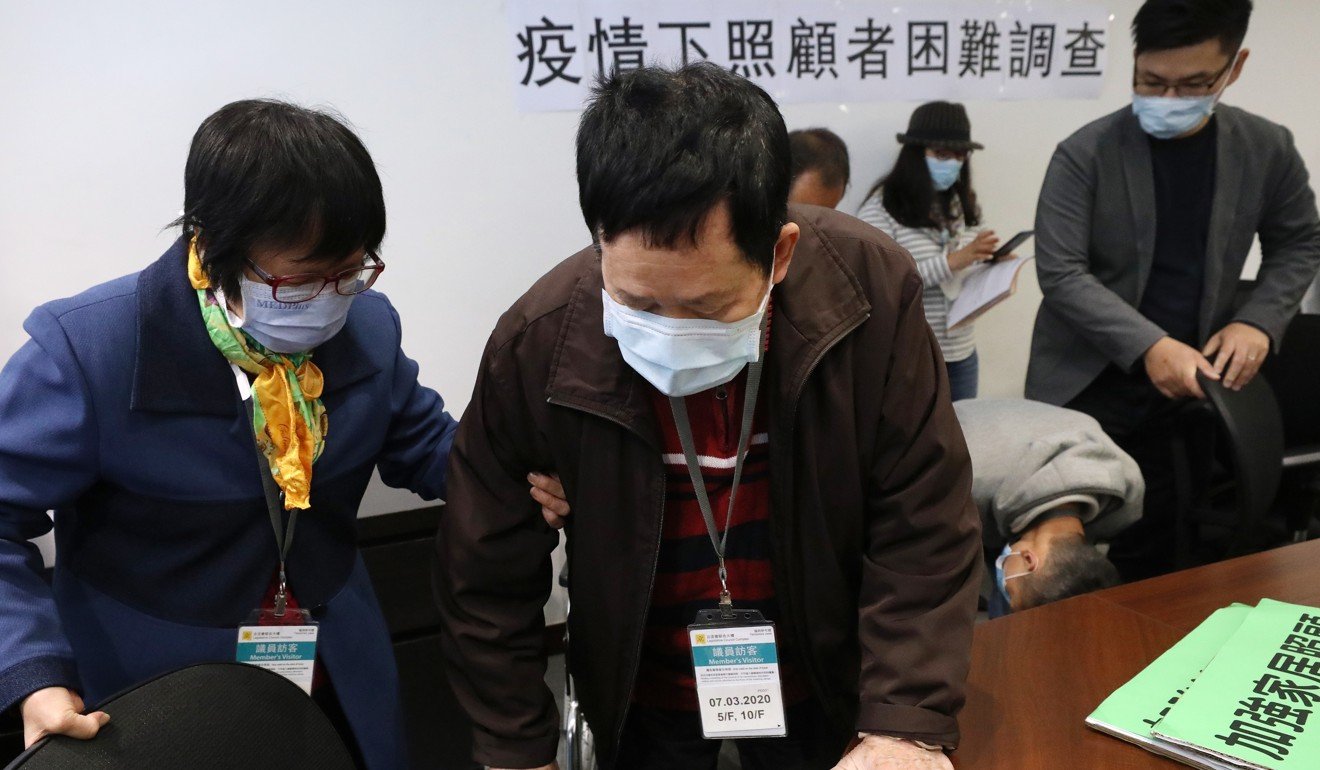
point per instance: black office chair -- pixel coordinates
(205, 717)
(1252, 433)
(1294, 373)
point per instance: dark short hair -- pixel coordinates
(1163, 24)
(820, 150)
(265, 173)
(658, 148)
(910, 197)
(1074, 567)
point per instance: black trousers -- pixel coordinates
(1156, 431)
(657, 739)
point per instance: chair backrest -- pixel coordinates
(214, 715)
(1254, 429)
(1294, 374)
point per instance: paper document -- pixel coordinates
(983, 287)
(1237, 693)
(1138, 706)
(1254, 705)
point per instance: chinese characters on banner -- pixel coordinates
(816, 50)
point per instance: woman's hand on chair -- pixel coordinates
(58, 711)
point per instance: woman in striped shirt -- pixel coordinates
(926, 204)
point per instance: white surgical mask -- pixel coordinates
(292, 328)
(682, 356)
(1168, 117)
(944, 172)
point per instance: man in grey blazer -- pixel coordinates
(1144, 222)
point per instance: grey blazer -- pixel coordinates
(1095, 242)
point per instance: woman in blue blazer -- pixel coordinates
(125, 415)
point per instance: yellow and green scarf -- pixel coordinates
(289, 419)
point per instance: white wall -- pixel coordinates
(98, 102)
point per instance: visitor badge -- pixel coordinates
(287, 650)
(736, 663)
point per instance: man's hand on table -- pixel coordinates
(877, 752)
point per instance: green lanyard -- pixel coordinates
(684, 425)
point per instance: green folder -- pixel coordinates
(1255, 705)
(1137, 706)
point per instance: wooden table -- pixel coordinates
(1036, 675)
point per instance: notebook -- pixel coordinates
(983, 287)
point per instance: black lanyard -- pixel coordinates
(274, 506)
(684, 425)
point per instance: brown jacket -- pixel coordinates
(876, 542)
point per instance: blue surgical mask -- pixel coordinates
(292, 328)
(944, 172)
(683, 356)
(1001, 580)
(1168, 117)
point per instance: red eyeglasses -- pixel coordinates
(292, 289)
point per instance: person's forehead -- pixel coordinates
(708, 270)
(1206, 58)
(671, 285)
(631, 259)
(300, 259)
(711, 244)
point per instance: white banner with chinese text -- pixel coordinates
(815, 50)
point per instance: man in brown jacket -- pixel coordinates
(632, 370)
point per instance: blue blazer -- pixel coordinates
(121, 417)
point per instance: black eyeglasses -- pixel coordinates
(1195, 88)
(292, 289)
